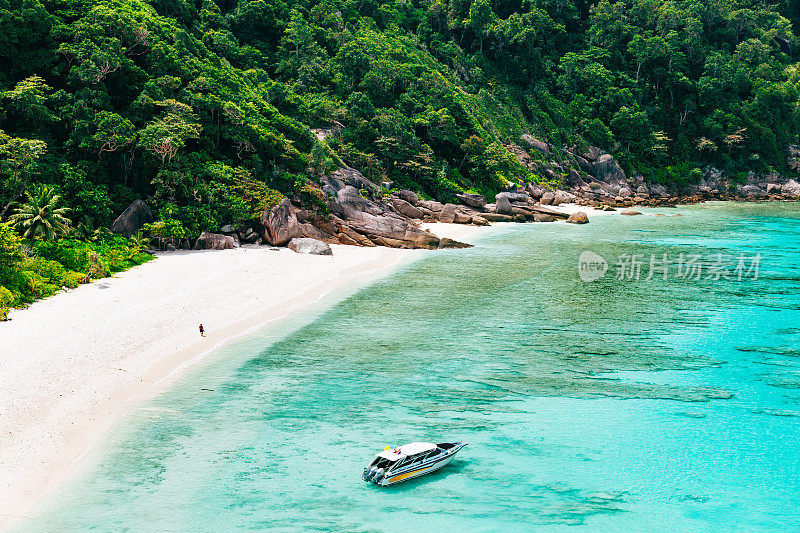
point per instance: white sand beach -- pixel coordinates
(72, 364)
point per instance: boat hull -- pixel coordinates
(399, 478)
(414, 471)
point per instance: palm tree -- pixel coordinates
(41, 216)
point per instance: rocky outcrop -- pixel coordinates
(450, 243)
(533, 142)
(472, 200)
(563, 197)
(405, 208)
(791, 188)
(334, 131)
(360, 215)
(497, 217)
(592, 154)
(377, 222)
(515, 196)
(354, 178)
(214, 241)
(629, 212)
(503, 204)
(578, 217)
(547, 211)
(305, 245)
(751, 191)
(132, 219)
(584, 164)
(244, 234)
(280, 224)
(409, 196)
(534, 191)
(310, 231)
(430, 205)
(606, 168)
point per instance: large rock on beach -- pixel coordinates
(497, 217)
(563, 197)
(535, 191)
(751, 191)
(607, 168)
(548, 211)
(305, 245)
(132, 219)
(791, 188)
(214, 241)
(405, 208)
(280, 224)
(431, 205)
(390, 231)
(578, 217)
(448, 214)
(503, 204)
(450, 243)
(472, 200)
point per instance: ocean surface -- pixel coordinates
(663, 404)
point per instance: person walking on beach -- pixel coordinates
(202, 331)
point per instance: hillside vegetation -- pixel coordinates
(205, 108)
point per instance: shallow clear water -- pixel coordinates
(612, 405)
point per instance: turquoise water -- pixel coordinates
(615, 405)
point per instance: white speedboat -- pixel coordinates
(409, 461)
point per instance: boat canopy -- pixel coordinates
(390, 455)
(413, 448)
(417, 447)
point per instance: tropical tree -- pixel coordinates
(165, 135)
(18, 160)
(41, 216)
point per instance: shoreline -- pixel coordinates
(112, 365)
(80, 374)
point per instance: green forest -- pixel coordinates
(205, 108)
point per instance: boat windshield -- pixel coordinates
(381, 462)
(411, 459)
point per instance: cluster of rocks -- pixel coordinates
(356, 215)
(359, 214)
(247, 234)
(595, 178)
